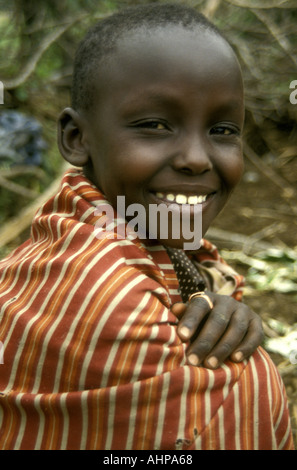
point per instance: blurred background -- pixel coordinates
(256, 233)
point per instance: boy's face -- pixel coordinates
(167, 121)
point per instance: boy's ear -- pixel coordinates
(71, 144)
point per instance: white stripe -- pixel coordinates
(85, 423)
(143, 261)
(269, 395)
(162, 410)
(237, 416)
(65, 432)
(284, 439)
(165, 266)
(41, 427)
(221, 411)
(133, 415)
(111, 426)
(227, 381)
(8, 434)
(256, 403)
(87, 213)
(221, 427)
(207, 396)
(147, 413)
(174, 292)
(23, 422)
(183, 404)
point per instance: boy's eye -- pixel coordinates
(154, 125)
(224, 130)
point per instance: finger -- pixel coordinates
(250, 342)
(178, 309)
(213, 330)
(230, 340)
(194, 315)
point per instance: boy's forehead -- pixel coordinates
(159, 49)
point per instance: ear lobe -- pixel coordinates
(70, 138)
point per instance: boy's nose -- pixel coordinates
(193, 156)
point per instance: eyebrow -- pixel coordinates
(135, 103)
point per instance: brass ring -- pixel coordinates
(202, 295)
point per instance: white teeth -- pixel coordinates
(193, 200)
(182, 198)
(170, 197)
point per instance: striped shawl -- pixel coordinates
(92, 359)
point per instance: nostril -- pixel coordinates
(186, 171)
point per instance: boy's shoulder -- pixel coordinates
(68, 236)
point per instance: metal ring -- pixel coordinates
(202, 295)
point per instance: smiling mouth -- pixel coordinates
(182, 198)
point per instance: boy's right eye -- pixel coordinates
(151, 124)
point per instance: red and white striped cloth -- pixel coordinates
(92, 359)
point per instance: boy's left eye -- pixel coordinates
(224, 130)
(152, 125)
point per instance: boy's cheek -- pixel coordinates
(233, 169)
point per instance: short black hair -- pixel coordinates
(102, 38)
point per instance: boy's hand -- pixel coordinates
(228, 330)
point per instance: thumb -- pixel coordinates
(178, 309)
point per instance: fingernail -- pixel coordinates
(193, 359)
(185, 332)
(238, 356)
(213, 362)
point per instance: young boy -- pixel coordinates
(105, 345)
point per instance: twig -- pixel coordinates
(21, 170)
(211, 7)
(32, 62)
(263, 4)
(237, 240)
(17, 188)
